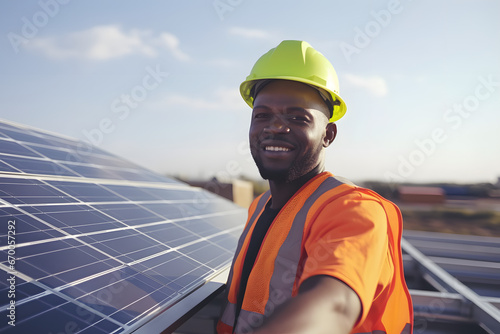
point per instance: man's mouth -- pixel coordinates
(277, 146)
(276, 149)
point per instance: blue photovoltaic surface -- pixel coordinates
(102, 245)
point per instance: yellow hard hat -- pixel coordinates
(296, 61)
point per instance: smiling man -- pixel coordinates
(318, 254)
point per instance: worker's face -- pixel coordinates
(289, 130)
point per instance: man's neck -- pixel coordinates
(281, 192)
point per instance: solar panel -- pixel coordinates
(91, 243)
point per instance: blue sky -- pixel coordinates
(157, 81)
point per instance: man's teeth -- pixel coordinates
(277, 149)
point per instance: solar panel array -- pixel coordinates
(91, 243)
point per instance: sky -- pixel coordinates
(156, 82)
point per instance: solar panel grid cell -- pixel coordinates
(56, 154)
(52, 314)
(28, 228)
(11, 147)
(35, 166)
(26, 136)
(87, 192)
(30, 191)
(170, 234)
(4, 167)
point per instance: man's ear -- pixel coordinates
(330, 134)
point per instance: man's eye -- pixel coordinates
(261, 115)
(299, 118)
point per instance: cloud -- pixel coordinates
(249, 33)
(106, 42)
(375, 85)
(172, 43)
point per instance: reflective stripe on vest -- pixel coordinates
(229, 314)
(261, 203)
(286, 265)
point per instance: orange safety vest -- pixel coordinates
(276, 274)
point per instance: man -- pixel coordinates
(318, 254)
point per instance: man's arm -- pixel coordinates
(323, 305)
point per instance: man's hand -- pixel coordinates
(323, 305)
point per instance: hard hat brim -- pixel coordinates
(247, 85)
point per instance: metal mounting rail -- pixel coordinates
(475, 307)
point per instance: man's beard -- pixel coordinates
(297, 169)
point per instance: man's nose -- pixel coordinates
(277, 125)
